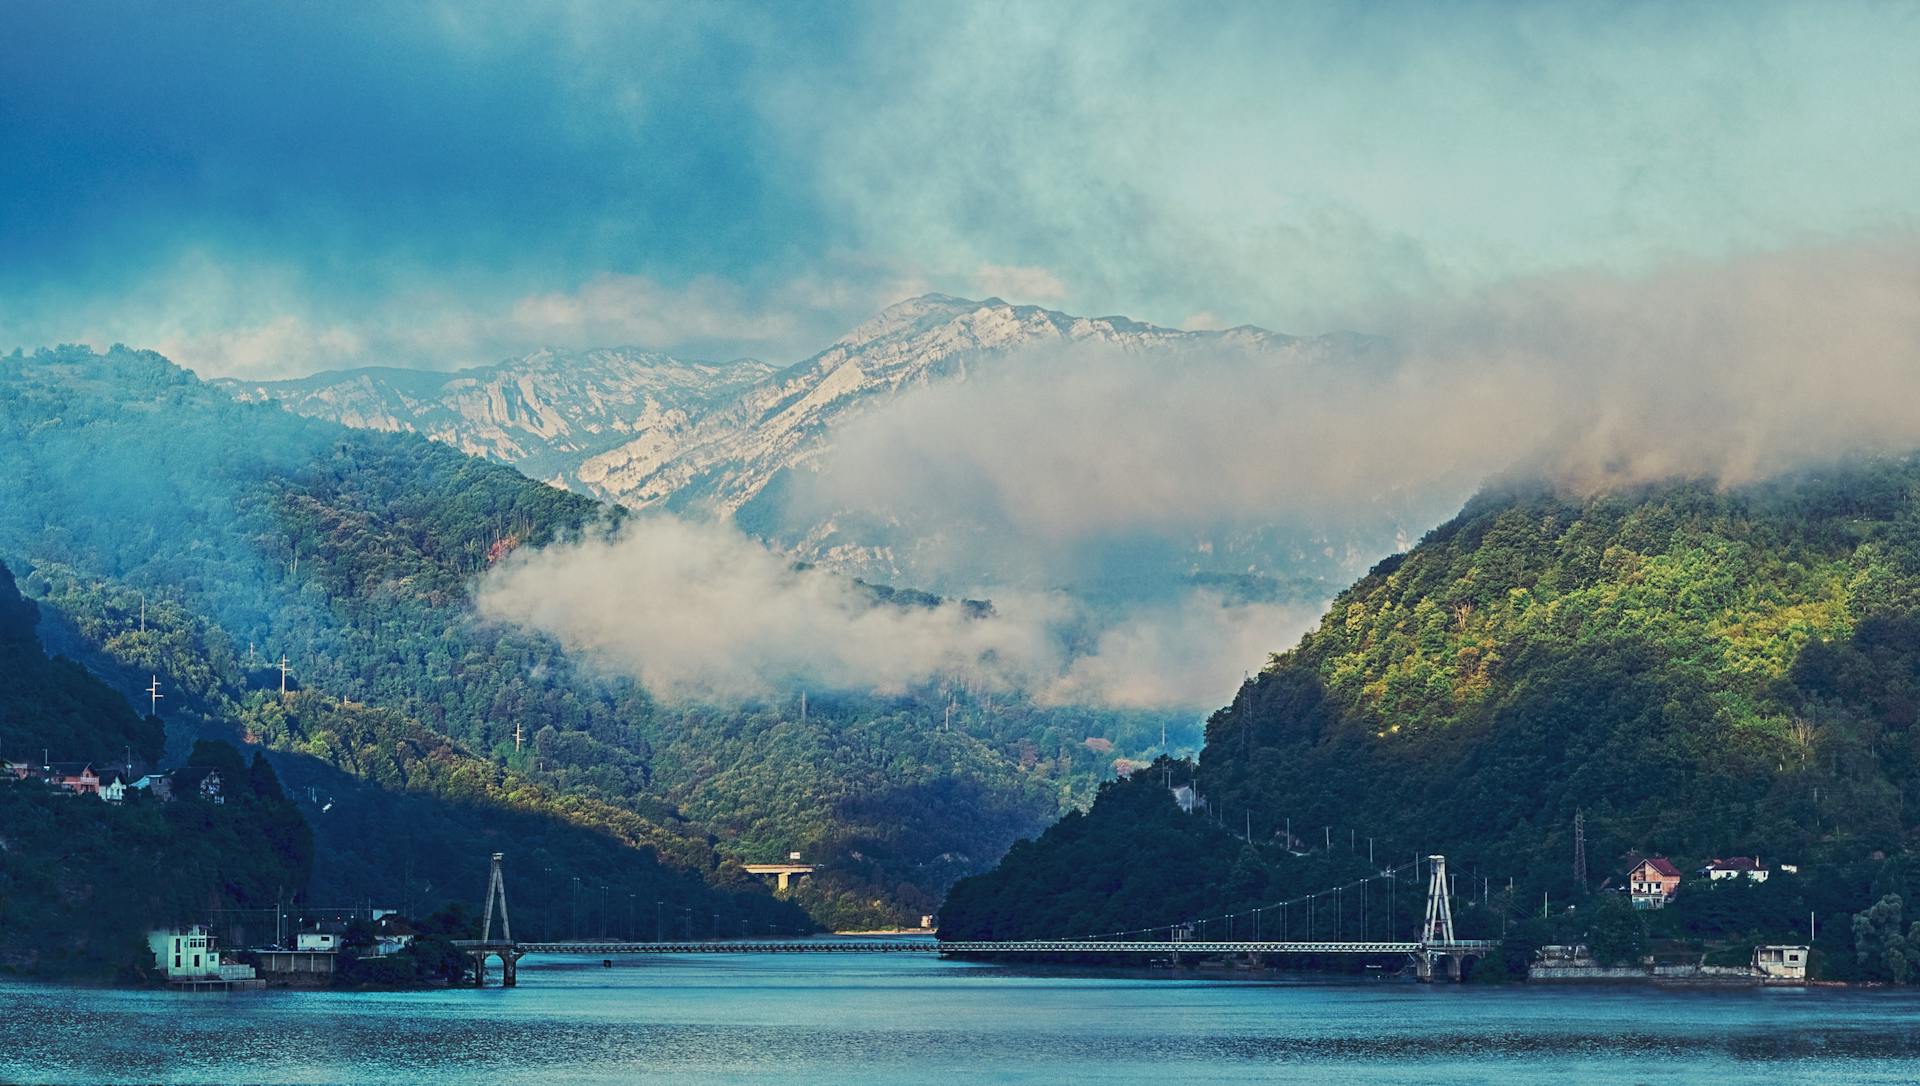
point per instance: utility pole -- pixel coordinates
(1369, 853)
(153, 694)
(516, 737)
(1249, 827)
(1328, 832)
(1580, 850)
(283, 676)
(803, 706)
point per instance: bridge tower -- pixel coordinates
(503, 948)
(1439, 925)
(1437, 942)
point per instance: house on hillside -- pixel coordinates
(1652, 882)
(197, 782)
(157, 785)
(1738, 866)
(14, 771)
(392, 934)
(75, 778)
(318, 940)
(113, 785)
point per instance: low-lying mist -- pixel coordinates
(1731, 371)
(701, 611)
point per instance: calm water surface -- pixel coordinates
(896, 1019)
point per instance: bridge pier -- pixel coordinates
(1454, 962)
(509, 966)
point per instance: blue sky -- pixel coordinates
(270, 189)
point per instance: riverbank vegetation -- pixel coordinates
(1689, 671)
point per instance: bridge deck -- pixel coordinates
(1026, 946)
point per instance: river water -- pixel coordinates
(845, 1019)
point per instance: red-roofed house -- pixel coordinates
(1652, 882)
(76, 777)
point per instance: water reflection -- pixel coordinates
(884, 1019)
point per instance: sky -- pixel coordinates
(272, 189)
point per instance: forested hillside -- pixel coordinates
(82, 881)
(1696, 671)
(248, 534)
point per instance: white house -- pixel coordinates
(316, 940)
(113, 785)
(190, 953)
(1734, 868)
(1780, 962)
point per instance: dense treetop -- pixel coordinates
(1698, 671)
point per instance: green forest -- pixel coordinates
(246, 534)
(82, 881)
(1693, 671)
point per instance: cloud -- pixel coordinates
(224, 317)
(699, 611)
(1301, 166)
(1730, 369)
(1314, 166)
(1183, 653)
(1019, 285)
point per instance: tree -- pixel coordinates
(221, 756)
(262, 780)
(1883, 951)
(1616, 934)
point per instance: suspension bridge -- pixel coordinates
(1433, 951)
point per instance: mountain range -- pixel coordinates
(166, 530)
(741, 439)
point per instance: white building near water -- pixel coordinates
(1781, 962)
(190, 953)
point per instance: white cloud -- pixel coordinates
(1733, 370)
(699, 611)
(1019, 285)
